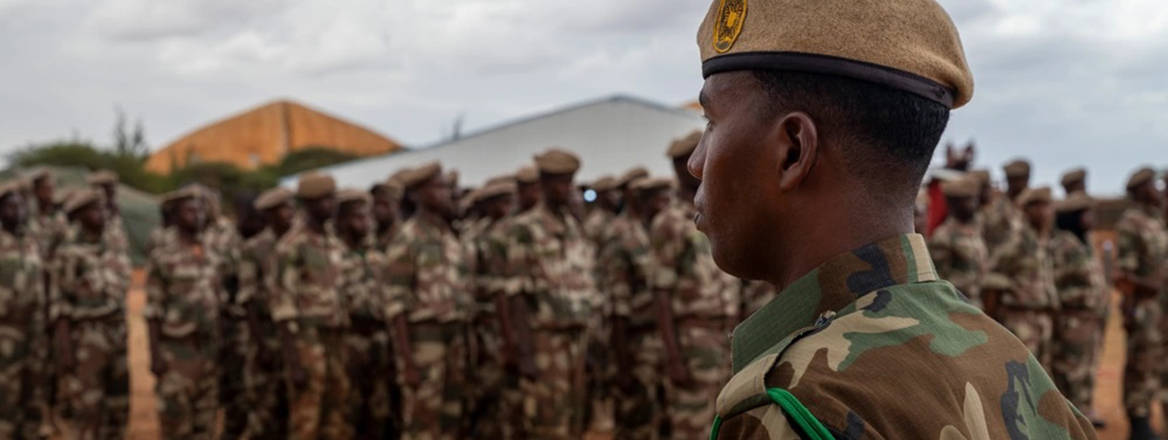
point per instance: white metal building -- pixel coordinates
(611, 135)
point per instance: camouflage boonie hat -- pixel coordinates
(1140, 177)
(1017, 168)
(1076, 202)
(631, 176)
(965, 186)
(1074, 176)
(82, 198)
(103, 177)
(557, 161)
(173, 197)
(315, 185)
(684, 146)
(527, 174)
(1035, 195)
(420, 175)
(272, 198)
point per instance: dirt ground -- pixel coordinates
(144, 422)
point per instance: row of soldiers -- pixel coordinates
(1029, 262)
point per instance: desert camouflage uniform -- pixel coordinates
(223, 239)
(1079, 325)
(91, 278)
(306, 297)
(22, 335)
(370, 365)
(623, 267)
(1141, 249)
(1028, 308)
(596, 225)
(551, 266)
(429, 282)
(157, 237)
(875, 346)
(961, 256)
(705, 306)
(183, 295)
(115, 233)
(49, 231)
(1001, 222)
(496, 409)
(263, 370)
(755, 294)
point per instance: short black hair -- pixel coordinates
(885, 129)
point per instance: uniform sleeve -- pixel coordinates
(62, 279)
(669, 248)
(1072, 274)
(155, 290)
(284, 281)
(249, 277)
(399, 278)
(614, 271)
(519, 261)
(1128, 249)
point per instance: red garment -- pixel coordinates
(938, 210)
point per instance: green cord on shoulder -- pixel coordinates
(808, 426)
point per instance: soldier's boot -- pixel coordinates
(1141, 429)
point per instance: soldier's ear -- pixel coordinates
(797, 139)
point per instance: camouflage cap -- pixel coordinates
(964, 186)
(496, 190)
(314, 185)
(651, 184)
(1073, 176)
(557, 161)
(908, 45)
(1075, 202)
(1017, 168)
(352, 195)
(82, 198)
(631, 176)
(982, 176)
(606, 183)
(1035, 195)
(527, 174)
(419, 175)
(506, 178)
(180, 194)
(103, 177)
(683, 147)
(1140, 177)
(272, 198)
(996, 281)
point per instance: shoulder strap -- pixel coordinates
(809, 427)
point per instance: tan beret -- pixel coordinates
(965, 186)
(352, 195)
(1035, 195)
(1075, 202)
(1074, 176)
(103, 177)
(1017, 168)
(1140, 177)
(632, 175)
(996, 281)
(527, 174)
(419, 175)
(315, 185)
(9, 187)
(684, 146)
(557, 161)
(180, 194)
(82, 198)
(506, 178)
(606, 183)
(982, 176)
(272, 198)
(496, 190)
(909, 45)
(651, 184)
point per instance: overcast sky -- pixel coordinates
(1064, 82)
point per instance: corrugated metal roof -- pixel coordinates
(611, 135)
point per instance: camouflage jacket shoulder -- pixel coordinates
(876, 346)
(597, 224)
(184, 288)
(22, 287)
(960, 255)
(364, 289)
(1078, 275)
(428, 273)
(684, 266)
(306, 285)
(49, 231)
(90, 277)
(624, 263)
(1141, 244)
(550, 259)
(1025, 260)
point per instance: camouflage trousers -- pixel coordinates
(318, 408)
(267, 394)
(553, 404)
(638, 409)
(433, 409)
(1145, 344)
(232, 389)
(370, 366)
(495, 407)
(1035, 328)
(95, 394)
(1077, 342)
(20, 400)
(705, 352)
(188, 391)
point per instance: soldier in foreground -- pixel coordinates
(308, 307)
(1141, 250)
(808, 181)
(957, 247)
(22, 321)
(183, 296)
(1083, 302)
(429, 289)
(87, 309)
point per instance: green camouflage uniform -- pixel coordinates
(1028, 308)
(183, 295)
(262, 375)
(91, 278)
(551, 267)
(306, 298)
(961, 256)
(429, 282)
(22, 335)
(1141, 249)
(623, 267)
(705, 306)
(1080, 323)
(224, 240)
(369, 362)
(875, 346)
(496, 409)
